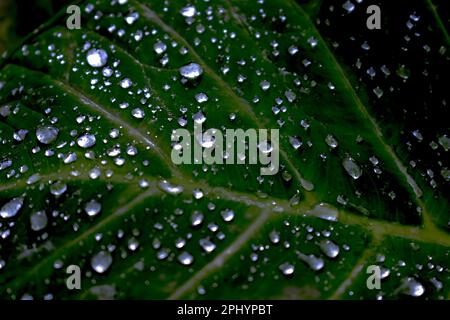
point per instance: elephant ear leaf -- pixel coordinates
(90, 197)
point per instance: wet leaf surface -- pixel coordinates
(86, 175)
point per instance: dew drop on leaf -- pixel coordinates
(329, 248)
(92, 208)
(11, 208)
(185, 258)
(352, 168)
(97, 58)
(38, 220)
(46, 134)
(86, 140)
(101, 261)
(191, 71)
(287, 269)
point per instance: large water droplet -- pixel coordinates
(11, 208)
(196, 218)
(166, 186)
(92, 208)
(352, 168)
(159, 47)
(125, 83)
(97, 58)
(329, 248)
(331, 141)
(101, 261)
(207, 245)
(311, 260)
(287, 269)
(227, 215)
(46, 134)
(411, 287)
(189, 11)
(185, 258)
(58, 188)
(199, 117)
(87, 140)
(191, 71)
(38, 220)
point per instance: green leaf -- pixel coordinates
(87, 178)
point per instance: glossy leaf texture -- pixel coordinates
(86, 176)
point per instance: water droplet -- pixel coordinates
(265, 147)
(125, 83)
(312, 261)
(199, 117)
(58, 188)
(312, 42)
(188, 11)
(331, 141)
(411, 287)
(159, 47)
(274, 237)
(132, 17)
(38, 220)
(87, 140)
(196, 218)
(133, 244)
(287, 269)
(162, 254)
(201, 97)
(352, 168)
(170, 188)
(11, 208)
(348, 6)
(265, 85)
(191, 71)
(138, 113)
(207, 245)
(92, 208)
(101, 261)
(185, 258)
(227, 215)
(295, 142)
(329, 248)
(206, 140)
(198, 194)
(47, 134)
(97, 58)
(324, 211)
